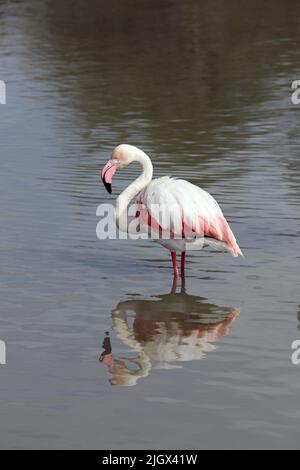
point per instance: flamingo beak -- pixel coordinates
(107, 173)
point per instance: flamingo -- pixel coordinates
(176, 213)
(163, 333)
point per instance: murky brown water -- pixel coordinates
(204, 88)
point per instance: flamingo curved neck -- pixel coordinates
(133, 189)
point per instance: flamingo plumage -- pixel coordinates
(176, 213)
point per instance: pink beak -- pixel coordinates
(107, 174)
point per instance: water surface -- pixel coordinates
(204, 88)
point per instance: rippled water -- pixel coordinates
(204, 88)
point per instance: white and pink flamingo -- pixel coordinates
(181, 216)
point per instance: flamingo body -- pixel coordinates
(191, 214)
(175, 212)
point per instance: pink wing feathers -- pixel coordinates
(183, 210)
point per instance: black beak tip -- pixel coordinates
(107, 186)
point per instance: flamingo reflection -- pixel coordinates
(164, 332)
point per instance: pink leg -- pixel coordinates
(183, 285)
(174, 261)
(174, 285)
(183, 264)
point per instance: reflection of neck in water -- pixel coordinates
(106, 356)
(123, 375)
(171, 328)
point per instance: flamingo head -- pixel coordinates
(122, 156)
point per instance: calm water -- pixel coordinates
(204, 88)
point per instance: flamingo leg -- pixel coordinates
(183, 285)
(182, 264)
(174, 285)
(174, 261)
